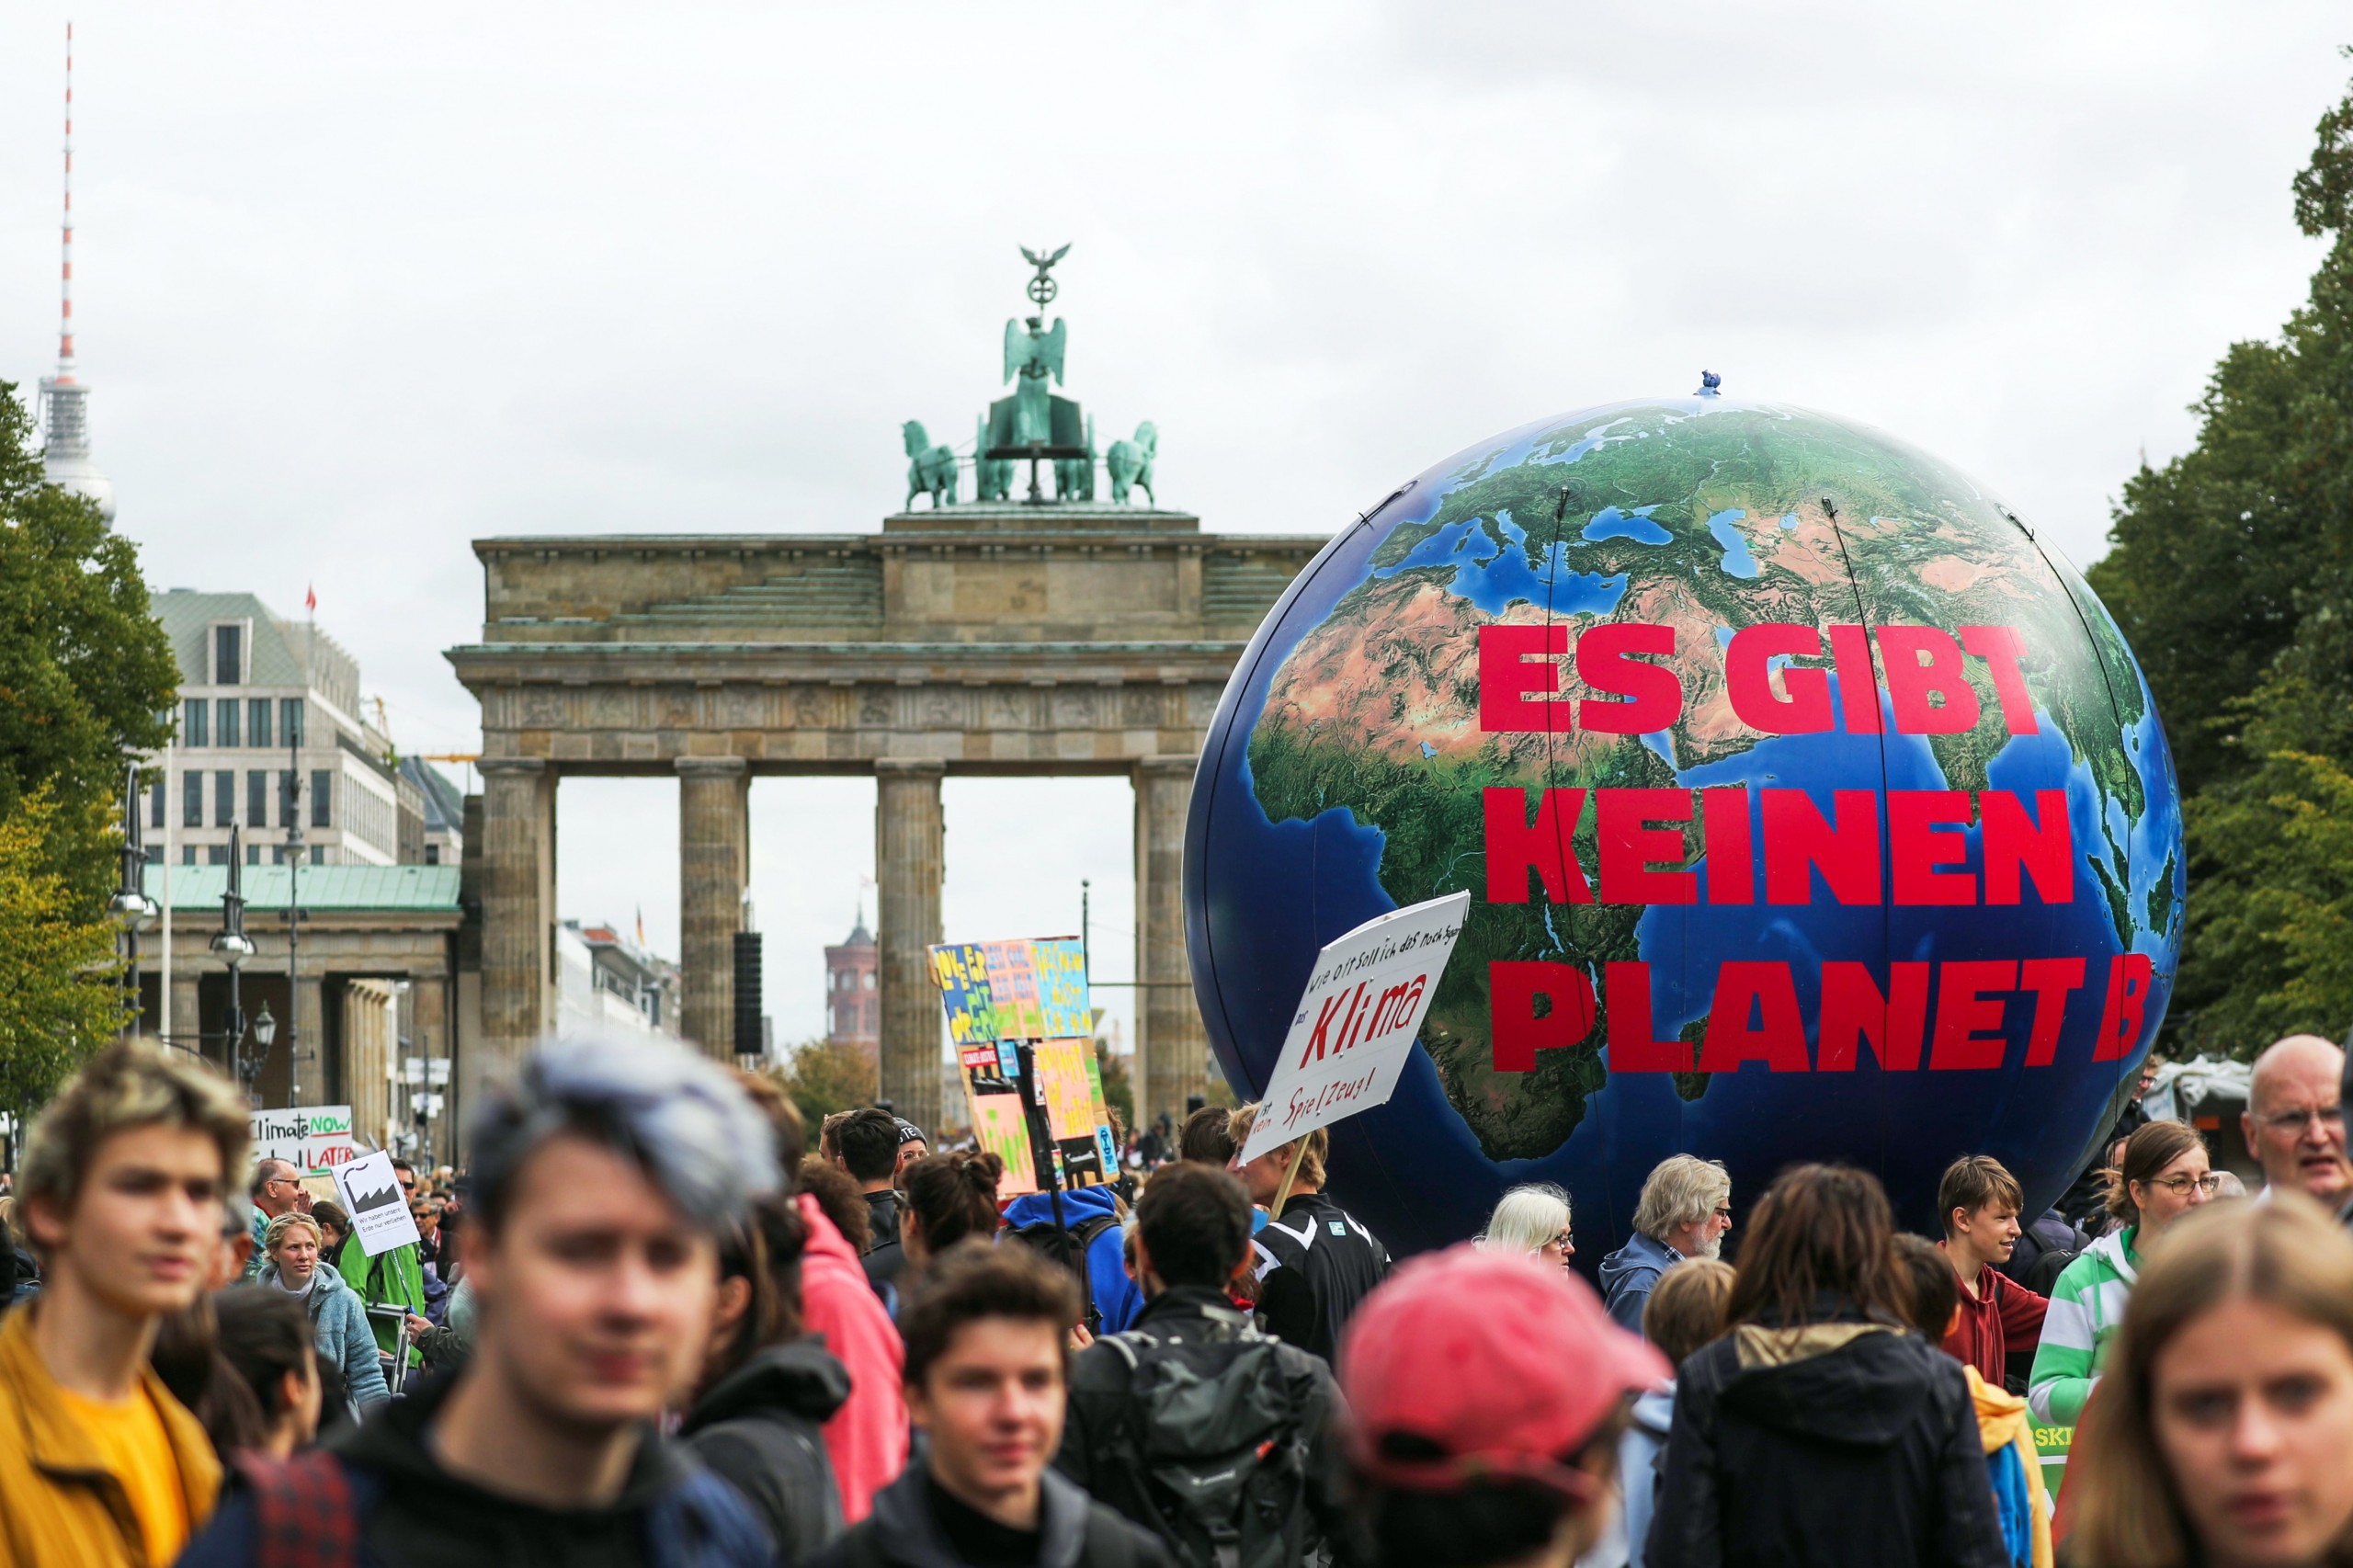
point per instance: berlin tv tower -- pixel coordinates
(65, 456)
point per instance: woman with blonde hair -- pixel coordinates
(2222, 1429)
(2164, 1175)
(338, 1320)
(1533, 1222)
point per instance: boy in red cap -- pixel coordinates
(1486, 1393)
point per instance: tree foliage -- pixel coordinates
(60, 980)
(87, 674)
(2231, 573)
(824, 1078)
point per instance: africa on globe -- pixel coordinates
(1810, 806)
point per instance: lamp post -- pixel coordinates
(131, 906)
(233, 946)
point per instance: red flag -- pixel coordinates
(310, 599)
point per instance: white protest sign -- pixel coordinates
(1357, 1021)
(379, 1209)
(311, 1138)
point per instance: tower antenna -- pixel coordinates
(65, 279)
(66, 447)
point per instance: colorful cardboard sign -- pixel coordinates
(1007, 996)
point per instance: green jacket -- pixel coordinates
(2086, 1309)
(388, 1278)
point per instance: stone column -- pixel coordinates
(429, 1036)
(188, 1019)
(714, 853)
(910, 859)
(517, 907)
(1172, 1051)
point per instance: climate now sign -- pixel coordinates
(311, 1138)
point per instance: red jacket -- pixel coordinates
(2003, 1317)
(867, 1435)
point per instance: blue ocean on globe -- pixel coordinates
(1345, 771)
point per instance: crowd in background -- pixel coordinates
(650, 1324)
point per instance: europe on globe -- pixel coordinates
(1811, 807)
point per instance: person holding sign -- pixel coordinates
(1315, 1261)
(339, 1323)
(386, 1276)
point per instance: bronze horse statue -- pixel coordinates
(1130, 462)
(929, 469)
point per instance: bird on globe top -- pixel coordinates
(1809, 808)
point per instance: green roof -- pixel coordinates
(324, 887)
(186, 615)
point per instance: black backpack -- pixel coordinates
(1069, 1250)
(1213, 1428)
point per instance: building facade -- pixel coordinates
(607, 984)
(853, 1005)
(269, 738)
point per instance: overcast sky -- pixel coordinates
(357, 285)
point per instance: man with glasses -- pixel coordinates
(1684, 1210)
(276, 1189)
(2294, 1120)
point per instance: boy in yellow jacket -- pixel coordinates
(2003, 1424)
(121, 1192)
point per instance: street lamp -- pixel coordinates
(131, 906)
(232, 947)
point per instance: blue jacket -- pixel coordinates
(1627, 1276)
(1116, 1299)
(339, 1326)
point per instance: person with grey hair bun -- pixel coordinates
(1685, 1211)
(602, 1176)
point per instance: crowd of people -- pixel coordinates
(649, 1325)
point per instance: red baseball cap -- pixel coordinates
(1500, 1362)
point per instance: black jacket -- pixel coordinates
(412, 1514)
(1839, 1444)
(1314, 1266)
(1075, 1532)
(1102, 1453)
(759, 1431)
(885, 1257)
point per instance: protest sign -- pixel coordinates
(962, 972)
(1001, 1129)
(1004, 1000)
(379, 1209)
(1357, 1021)
(311, 1138)
(1013, 989)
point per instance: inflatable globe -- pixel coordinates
(1811, 807)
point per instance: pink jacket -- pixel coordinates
(867, 1435)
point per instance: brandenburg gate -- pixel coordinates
(1059, 634)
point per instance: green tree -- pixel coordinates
(2231, 573)
(60, 980)
(824, 1078)
(87, 674)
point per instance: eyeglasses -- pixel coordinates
(2330, 1116)
(1561, 1240)
(2209, 1184)
(1724, 1212)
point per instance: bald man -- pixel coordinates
(2294, 1120)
